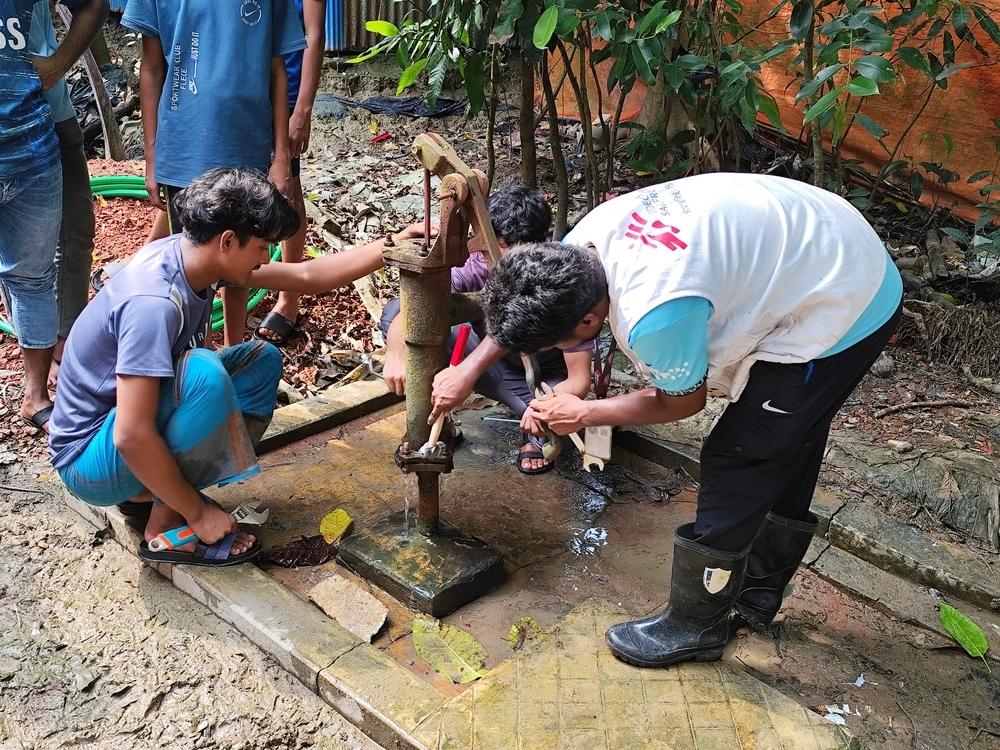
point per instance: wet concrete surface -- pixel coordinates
(567, 536)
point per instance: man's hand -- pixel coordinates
(451, 387)
(394, 371)
(155, 189)
(562, 412)
(416, 232)
(212, 524)
(531, 425)
(280, 174)
(48, 71)
(299, 129)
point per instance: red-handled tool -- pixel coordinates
(433, 447)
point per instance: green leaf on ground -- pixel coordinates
(969, 635)
(523, 630)
(449, 651)
(334, 525)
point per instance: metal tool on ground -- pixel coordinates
(434, 446)
(433, 567)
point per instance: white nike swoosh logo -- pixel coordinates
(767, 407)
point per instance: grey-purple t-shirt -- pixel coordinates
(143, 319)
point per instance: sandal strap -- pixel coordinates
(218, 551)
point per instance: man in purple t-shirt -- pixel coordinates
(518, 215)
(145, 416)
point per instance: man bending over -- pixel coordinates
(144, 413)
(772, 292)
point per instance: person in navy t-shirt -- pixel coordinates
(213, 93)
(304, 68)
(31, 187)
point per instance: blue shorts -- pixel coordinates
(211, 415)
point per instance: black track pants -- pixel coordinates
(765, 452)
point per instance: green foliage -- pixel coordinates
(846, 54)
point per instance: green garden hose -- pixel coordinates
(131, 186)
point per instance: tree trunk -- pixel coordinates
(526, 121)
(558, 162)
(815, 132)
(491, 124)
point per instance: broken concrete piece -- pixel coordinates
(900, 446)
(351, 606)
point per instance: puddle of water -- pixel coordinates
(589, 541)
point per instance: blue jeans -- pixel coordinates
(30, 216)
(211, 415)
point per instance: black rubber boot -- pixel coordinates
(774, 557)
(695, 624)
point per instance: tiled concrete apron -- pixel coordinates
(562, 691)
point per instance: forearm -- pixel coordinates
(648, 406)
(578, 385)
(149, 458)
(86, 23)
(479, 360)
(151, 78)
(318, 276)
(279, 108)
(312, 69)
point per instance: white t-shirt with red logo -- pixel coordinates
(786, 267)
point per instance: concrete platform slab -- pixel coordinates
(567, 691)
(566, 537)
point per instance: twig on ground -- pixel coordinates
(986, 384)
(11, 488)
(923, 405)
(981, 731)
(913, 724)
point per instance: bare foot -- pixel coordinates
(531, 464)
(163, 518)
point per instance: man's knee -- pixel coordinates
(200, 371)
(389, 314)
(268, 359)
(30, 278)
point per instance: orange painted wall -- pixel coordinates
(964, 110)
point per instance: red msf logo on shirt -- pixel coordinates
(651, 235)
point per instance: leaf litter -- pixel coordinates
(449, 651)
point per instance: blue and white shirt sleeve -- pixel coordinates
(287, 34)
(672, 340)
(142, 16)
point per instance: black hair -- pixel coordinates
(240, 200)
(519, 214)
(539, 292)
